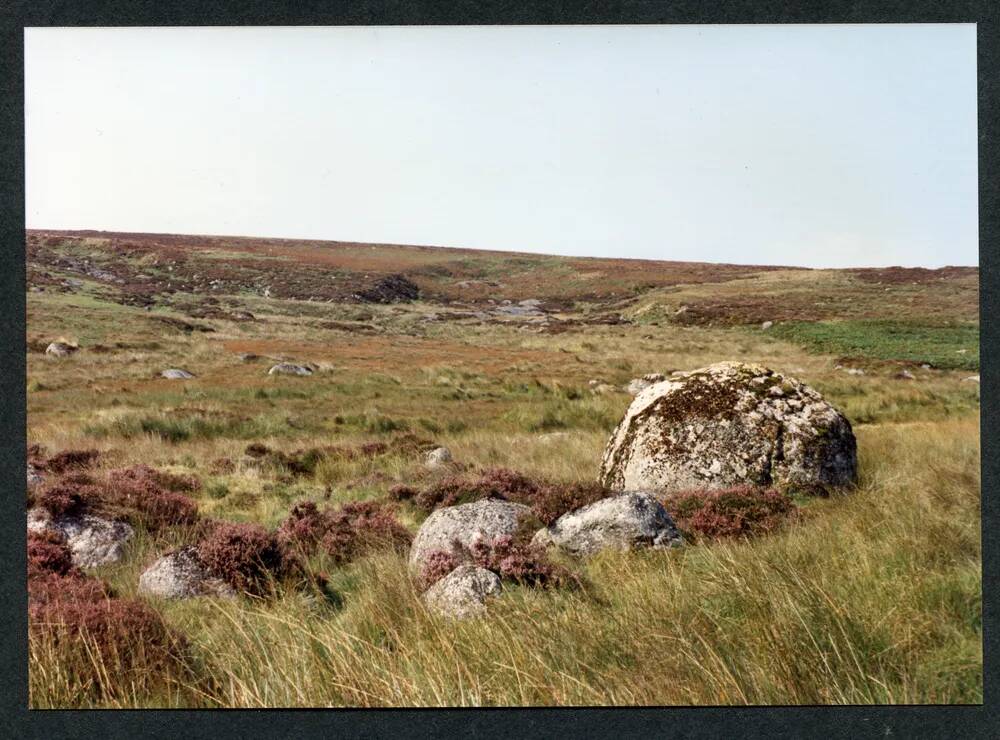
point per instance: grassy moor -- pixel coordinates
(275, 480)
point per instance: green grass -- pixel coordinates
(940, 346)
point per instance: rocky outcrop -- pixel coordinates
(463, 592)
(625, 522)
(725, 425)
(92, 540)
(287, 368)
(182, 575)
(454, 529)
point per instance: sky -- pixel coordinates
(820, 146)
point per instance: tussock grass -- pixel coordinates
(873, 597)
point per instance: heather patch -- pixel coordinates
(741, 511)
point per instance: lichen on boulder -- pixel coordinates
(728, 424)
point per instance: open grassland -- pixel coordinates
(872, 595)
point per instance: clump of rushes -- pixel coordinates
(343, 533)
(548, 500)
(740, 511)
(246, 556)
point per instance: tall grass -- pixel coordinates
(873, 596)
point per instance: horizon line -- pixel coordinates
(473, 249)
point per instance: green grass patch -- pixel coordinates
(888, 340)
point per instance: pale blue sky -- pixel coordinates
(803, 145)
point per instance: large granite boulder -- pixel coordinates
(625, 522)
(728, 424)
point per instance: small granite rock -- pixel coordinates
(439, 457)
(463, 592)
(92, 540)
(287, 368)
(624, 522)
(60, 349)
(181, 575)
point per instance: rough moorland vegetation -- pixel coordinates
(240, 538)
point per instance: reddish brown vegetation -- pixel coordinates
(246, 556)
(741, 511)
(48, 553)
(343, 533)
(140, 495)
(71, 459)
(548, 500)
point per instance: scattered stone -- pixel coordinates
(176, 374)
(767, 325)
(971, 379)
(35, 476)
(603, 388)
(905, 374)
(92, 540)
(463, 592)
(624, 522)
(637, 385)
(181, 575)
(287, 368)
(439, 457)
(454, 529)
(728, 424)
(60, 349)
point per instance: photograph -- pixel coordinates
(502, 366)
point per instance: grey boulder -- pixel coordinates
(60, 349)
(454, 529)
(729, 424)
(625, 522)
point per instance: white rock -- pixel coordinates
(439, 457)
(175, 373)
(767, 325)
(287, 368)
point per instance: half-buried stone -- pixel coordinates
(729, 424)
(175, 373)
(181, 575)
(463, 592)
(626, 522)
(287, 368)
(92, 540)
